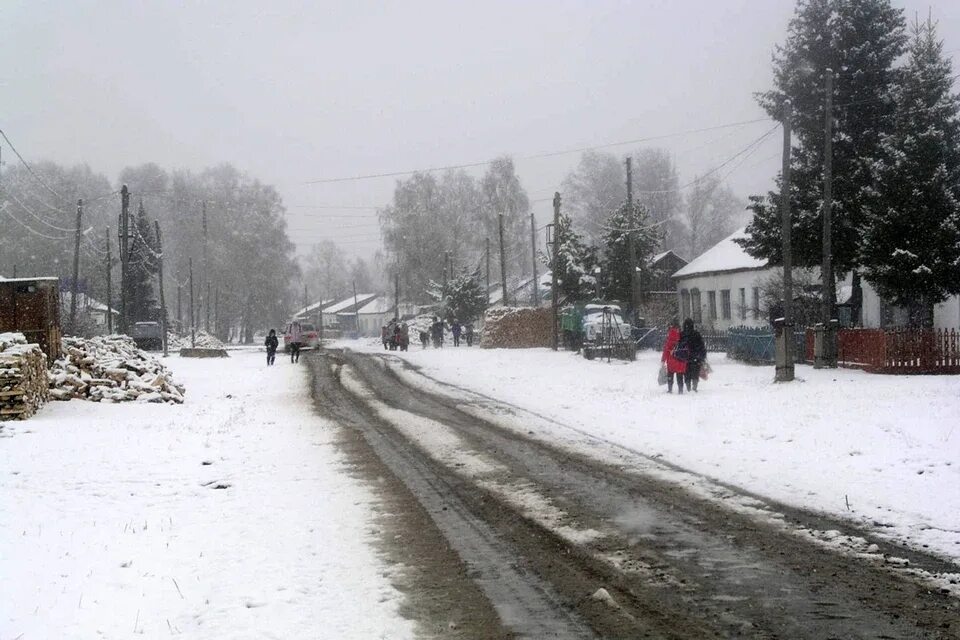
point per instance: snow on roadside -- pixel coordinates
(887, 446)
(230, 516)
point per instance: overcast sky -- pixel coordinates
(298, 91)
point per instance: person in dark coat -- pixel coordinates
(436, 332)
(424, 339)
(691, 344)
(676, 366)
(456, 329)
(271, 343)
(468, 333)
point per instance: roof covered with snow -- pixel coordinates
(310, 308)
(377, 306)
(726, 255)
(348, 303)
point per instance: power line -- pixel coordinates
(6, 210)
(548, 154)
(35, 216)
(27, 165)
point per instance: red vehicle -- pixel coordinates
(309, 338)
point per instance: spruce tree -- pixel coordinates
(576, 261)
(141, 274)
(616, 266)
(859, 40)
(910, 249)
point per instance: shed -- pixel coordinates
(31, 306)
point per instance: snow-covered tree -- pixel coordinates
(501, 192)
(615, 264)
(576, 261)
(462, 298)
(593, 190)
(656, 188)
(142, 269)
(910, 249)
(711, 214)
(325, 270)
(859, 40)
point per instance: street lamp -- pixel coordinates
(596, 277)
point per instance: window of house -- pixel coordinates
(725, 303)
(685, 303)
(695, 306)
(756, 303)
(712, 304)
(743, 303)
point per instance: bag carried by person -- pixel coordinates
(662, 374)
(705, 370)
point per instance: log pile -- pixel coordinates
(203, 340)
(23, 377)
(516, 328)
(111, 369)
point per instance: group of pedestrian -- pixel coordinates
(684, 355)
(395, 335)
(272, 343)
(437, 330)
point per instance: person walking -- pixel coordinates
(456, 329)
(675, 366)
(436, 332)
(271, 343)
(424, 339)
(385, 337)
(468, 333)
(404, 336)
(692, 345)
(296, 341)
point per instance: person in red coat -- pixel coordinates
(675, 367)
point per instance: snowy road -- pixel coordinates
(541, 527)
(231, 516)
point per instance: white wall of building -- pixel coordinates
(742, 312)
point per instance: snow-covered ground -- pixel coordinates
(882, 450)
(113, 523)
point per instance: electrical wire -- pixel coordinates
(6, 210)
(27, 165)
(537, 156)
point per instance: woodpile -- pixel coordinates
(111, 369)
(23, 377)
(516, 328)
(202, 339)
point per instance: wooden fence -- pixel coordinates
(908, 351)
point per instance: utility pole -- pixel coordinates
(446, 265)
(554, 294)
(216, 312)
(396, 295)
(631, 245)
(163, 300)
(179, 307)
(124, 253)
(109, 287)
(306, 302)
(205, 303)
(503, 260)
(488, 270)
(826, 355)
(356, 308)
(74, 286)
(784, 355)
(193, 333)
(533, 249)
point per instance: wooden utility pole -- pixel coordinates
(631, 245)
(179, 307)
(193, 332)
(503, 260)
(396, 295)
(446, 265)
(828, 351)
(356, 307)
(488, 270)
(533, 249)
(124, 253)
(216, 311)
(306, 300)
(74, 286)
(163, 300)
(205, 302)
(109, 287)
(554, 294)
(785, 364)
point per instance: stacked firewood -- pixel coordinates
(111, 369)
(23, 377)
(516, 328)
(202, 339)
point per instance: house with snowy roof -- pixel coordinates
(723, 288)
(720, 288)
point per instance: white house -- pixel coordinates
(721, 287)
